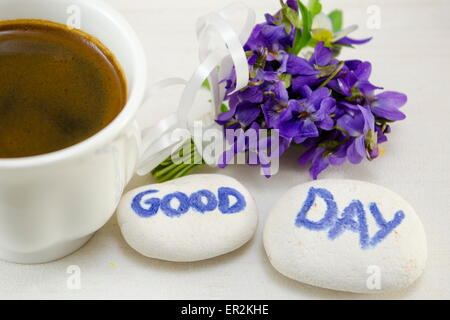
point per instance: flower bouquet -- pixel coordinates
(298, 87)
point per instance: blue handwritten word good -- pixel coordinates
(353, 218)
(201, 201)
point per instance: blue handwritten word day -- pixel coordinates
(353, 218)
(201, 201)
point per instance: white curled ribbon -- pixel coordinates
(157, 141)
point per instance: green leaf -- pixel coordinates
(292, 16)
(336, 19)
(287, 27)
(314, 7)
(223, 107)
(286, 78)
(303, 36)
(206, 85)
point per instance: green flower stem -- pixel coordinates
(169, 174)
(165, 170)
(169, 166)
(168, 170)
(334, 74)
(179, 171)
(185, 170)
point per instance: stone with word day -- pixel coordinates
(188, 219)
(346, 235)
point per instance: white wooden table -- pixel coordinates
(410, 53)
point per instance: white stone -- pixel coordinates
(341, 261)
(192, 235)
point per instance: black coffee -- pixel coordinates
(58, 87)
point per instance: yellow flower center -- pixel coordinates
(322, 35)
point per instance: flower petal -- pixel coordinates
(225, 117)
(251, 94)
(246, 113)
(388, 113)
(319, 163)
(322, 55)
(271, 115)
(299, 66)
(254, 40)
(273, 34)
(326, 108)
(318, 95)
(369, 119)
(340, 85)
(335, 160)
(391, 99)
(352, 64)
(326, 124)
(367, 88)
(357, 150)
(322, 21)
(299, 82)
(349, 41)
(290, 128)
(293, 4)
(281, 93)
(308, 129)
(348, 105)
(363, 71)
(386, 105)
(353, 125)
(380, 135)
(344, 32)
(307, 156)
(270, 19)
(266, 75)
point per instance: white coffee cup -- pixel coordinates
(50, 205)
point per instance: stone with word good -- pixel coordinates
(346, 235)
(188, 219)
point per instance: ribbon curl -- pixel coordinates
(157, 143)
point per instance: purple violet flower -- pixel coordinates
(385, 105)
(303, 118)
(326, 105)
